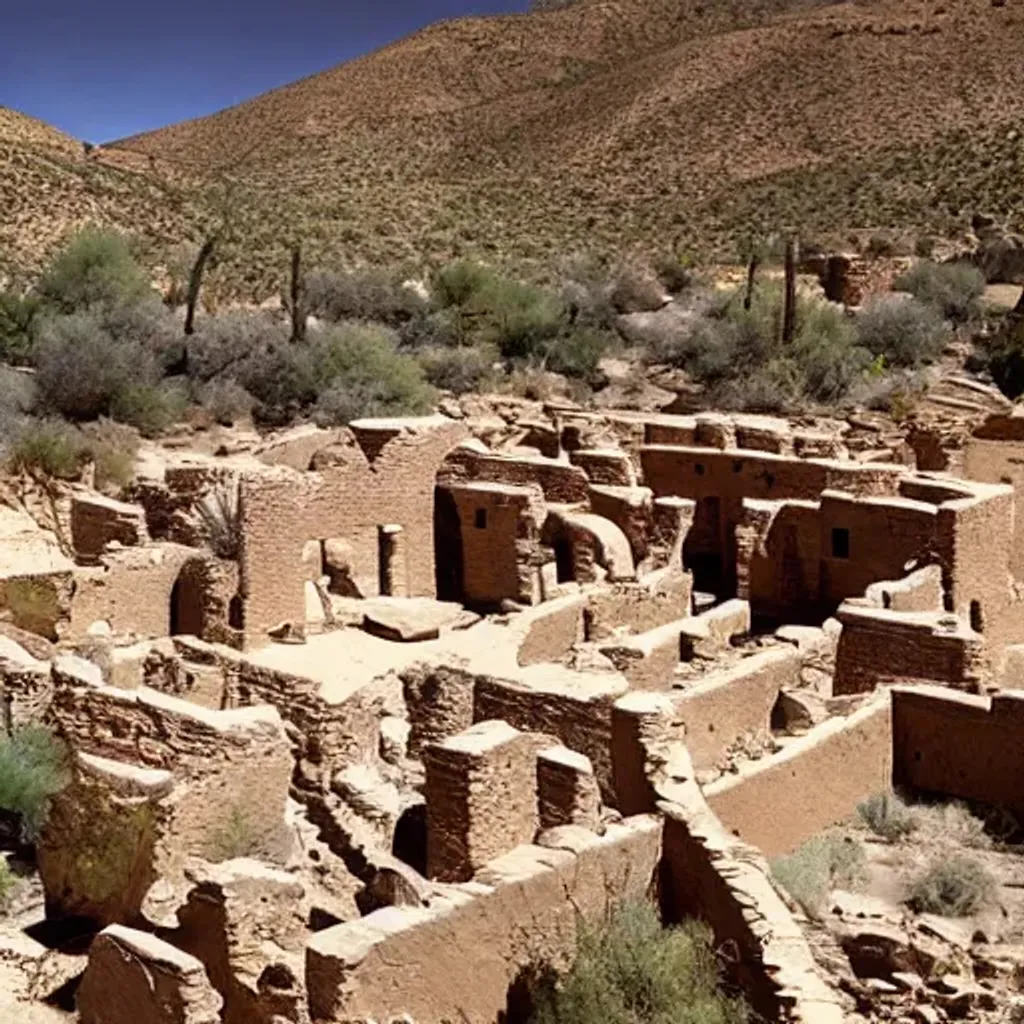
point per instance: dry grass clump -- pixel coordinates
(827, 862)
(953, 887)
(888, 816)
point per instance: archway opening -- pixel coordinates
(186, 604)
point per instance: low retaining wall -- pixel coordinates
(522, 910)
(816, 781)
(960, 745)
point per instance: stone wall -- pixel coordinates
(523, 908)
(551, 630)
(97, 521)
(879, 647)
(385, 476)
(817, 780)
(1001, 461)
(959, 745)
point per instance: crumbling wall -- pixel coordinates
(734, 704)
(524, 908)
(552, 629)
(1001, 461)
(385, 476)
(960, 745)
(921, 591)
(561, 482)
(819, 779)
(656, 599)
(878, 647)
(98, 521)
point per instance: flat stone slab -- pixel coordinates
(412, 619)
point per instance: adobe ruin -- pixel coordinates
(461, 690)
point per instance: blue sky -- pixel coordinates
(103, 69)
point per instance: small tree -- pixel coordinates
(634, 971)
(96, 268)
(297, 305)
(34, 766)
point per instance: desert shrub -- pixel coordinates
(218, 520)
(954, 289)
(633, 971)
(150, 408)
(459, 283)
(1005, 358)
(458, 370)
(358, 371)
(577, 353)
(224, 344)
(225, 400)
(887, 816)
(519, 319)
(953, 887)
(372, 293)
(635, 288)
(85, 360)
(112, 447)
(442, 328)
(47, 449)
(96, 268)
(18, 315)
(675, 274)
(33, 767)
(904, 331)
(586, 292)
(823, 863)
(739, 357)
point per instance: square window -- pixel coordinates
(480, 520)
(840, 542)
(699, 469)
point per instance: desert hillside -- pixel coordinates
(610, 123)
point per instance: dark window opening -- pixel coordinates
(840, 542)
(977, 619)
(410, 839)
(699, 469)
(480, 519)
(235, 612)
(737, 466)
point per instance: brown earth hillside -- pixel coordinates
(616, 123)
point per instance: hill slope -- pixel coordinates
(611, 123)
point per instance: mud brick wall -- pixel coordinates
(994, 462)
(880, 648)
(883, 536)
(481, 793)
(561, 482)
(657, 599)
(648, 660)
(96, 521)
(499, 530)
(387, 476)
(133, 589)
(707, 472)
(733, 703)
(552, 630)
(575, 708)
(527, 909)
(631, 509)
(960, 745)
(233, 761)
(329, 732)
(975, 553)
(567, 792)
(439, 702)
(818, 779)
(605, 466)
(778, 559)
(921, 591)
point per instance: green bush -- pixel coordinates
(83, 362)
(368, 294)
(1005, 358)
(578, 353)
(33, 767)
(48, 449)
(635, 288)
(229, 344)
(740, 358)
(953, 887)
(904, 331)
(633, 971)
(887, 816)
(18, 315)
(954, 289)
(218, 517)
(458, 370)
(519, 319)
(150, 408)
(358, 371)
(96, 268)
(225, 400)
(460, 283)
(823, 863)
(238, 838)
(113, 447)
